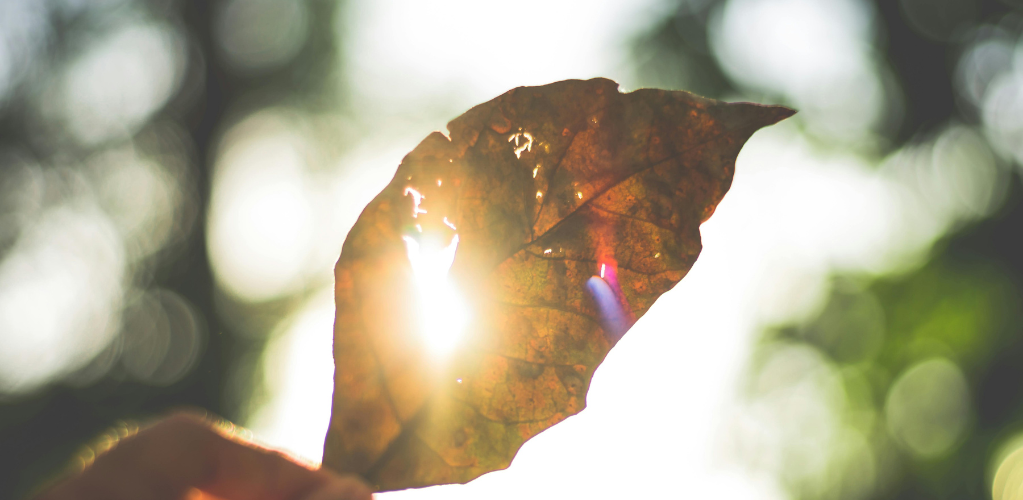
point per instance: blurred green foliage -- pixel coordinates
(963, 305)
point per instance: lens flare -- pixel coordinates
(616, 316)
(443, 313)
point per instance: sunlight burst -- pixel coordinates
(443, 313)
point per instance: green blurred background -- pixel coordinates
(177, 177)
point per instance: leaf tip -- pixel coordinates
(769, 115)
(752, 117)
(783, 112)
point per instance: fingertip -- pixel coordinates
(186, 415)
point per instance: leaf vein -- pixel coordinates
(633, 217)
(614, 184)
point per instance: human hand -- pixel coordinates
(185, 457)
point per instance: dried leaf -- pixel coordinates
(567, 209)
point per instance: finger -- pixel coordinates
(245, 471)
(165, 461)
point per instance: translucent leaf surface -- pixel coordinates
(481, 288)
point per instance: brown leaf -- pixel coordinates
(549, 187)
